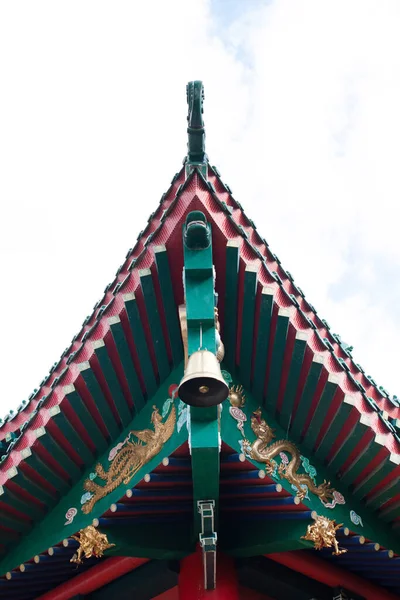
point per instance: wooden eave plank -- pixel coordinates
(139, 339)
(33, 488)
(296, 364)
(85, 417)
(30, 509)
(128, 366)
(155, 325)
(14, 523)
(62, 458)
(231, 302)
(113, 383)
(306, 397)
(246, 342)
(386, 493)
(170, 308)
(362, 460)
(319, 415)
(262, 342)
(374, 478)
(44, 470)
(99, 399)
(67, 429)
(390, 513)
(335, 427)
(278, 353)
(347, 448)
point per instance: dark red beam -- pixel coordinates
(95, 578)
(320, 570)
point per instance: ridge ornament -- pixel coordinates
(130, 458)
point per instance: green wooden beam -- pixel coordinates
(85, 416)
(100, 400)
(306, 398)
(141, 347)
(293, 379)
(112, 381)
(33, 488)
(30, 509)
(231, 301)
(170, 308)
(247, 337)
(322, 408)
(36, 463)
(386, 493)
(125, 357)
(348, 446)
(154, 319)
(58, 453)
(14, 523)
(66, 428)
(337, 423)
(374, 478)
(278, 353)
(262, 343)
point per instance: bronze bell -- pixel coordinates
(202, 383)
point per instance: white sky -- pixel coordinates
(302, 117)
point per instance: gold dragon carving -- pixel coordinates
(323, 534)
(91, 543)
(263, 451)
(130, 458)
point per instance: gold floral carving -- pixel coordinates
(263, 451)
(130, 458)
(323, 534)
(91, 543)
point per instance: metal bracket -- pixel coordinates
(208, 542)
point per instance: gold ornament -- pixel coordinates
(91, 543)
(323, 534)
(261, 451)
(236, 396)
(130, 458)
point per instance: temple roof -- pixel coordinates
(276, 343)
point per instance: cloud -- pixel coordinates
(302, 119)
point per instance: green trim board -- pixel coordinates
(371, 527)
(262, 342)
(52, 529)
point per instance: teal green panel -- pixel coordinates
(86, 418)
(347, 447)
(371, 481)
(139, 340)
(14, 523)
(262, 343)
(127, 363)
(247, 335)
(293, 380)
(255, 538)
(336, 425)
(170, 309)
(231, 300)
(113, 384)
(40, 467)
(320, 412)
(71, 435)
(306, 397)
(278, 353)
(34, 489)
(62, 458)
(25, 507)
(385, 494)
(100, 400)
(155, 323)
(360, 463)
(392, 512)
